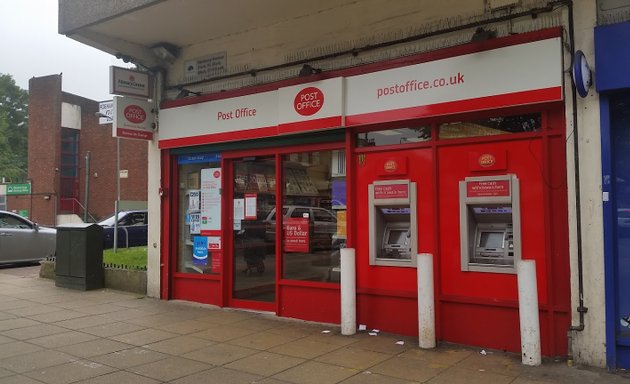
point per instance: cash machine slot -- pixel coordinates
(392, 223)
(490, 224)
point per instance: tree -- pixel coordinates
(13, 129)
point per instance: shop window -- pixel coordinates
(198, 251)
(314, 215)
(3, 203)
(491, 126)
(395, 136)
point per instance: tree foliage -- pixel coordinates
(13, 129)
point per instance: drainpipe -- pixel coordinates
(581, 309)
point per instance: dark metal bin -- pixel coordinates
(79, 259)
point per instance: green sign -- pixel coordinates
(23, 212)
(19, 189)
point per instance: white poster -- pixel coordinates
(239, 213)
(194, 199)
(250, 206)
(195, 223)
(210, 199)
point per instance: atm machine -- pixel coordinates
(490, 223)
(392, 223)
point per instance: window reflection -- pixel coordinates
(313, 215)
(394, 136)
(491, 126)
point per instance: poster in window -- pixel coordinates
(296, 234)
(195, 223)
(239, 213)
(210, 199)
(194, 200)
(250, 206)
(200, 250)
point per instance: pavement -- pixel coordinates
(57, 335)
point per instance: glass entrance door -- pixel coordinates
(253, 238)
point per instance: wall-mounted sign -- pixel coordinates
(487, 188)
(391, 191)
(208, 66)
(19, 189)
(106, 112)
(129, 82)
(133, 118)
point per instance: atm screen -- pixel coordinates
(397, 236)
(491, 240)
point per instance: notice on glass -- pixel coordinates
(200, 250)
(195, 223)
(210, 199)
(250, 206)
(239, 213)
(194, 200)
(296, 234)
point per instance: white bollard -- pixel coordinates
(426, 302)
(348, 292)
(528, 312)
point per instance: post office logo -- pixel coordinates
(487, 160)
(390, 166)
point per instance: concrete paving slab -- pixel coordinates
(179, 345)
(62, 339)
(313, 372)
(144, 337)
(93, 348)
(36, 360)
(17, 348)
(112, 329)
(129, 358)
(106, 336)
(354, 358)
(170, 368)
(220, 375)
(119, 377)
(70, 372)
(220, 354)
(265, 363)
(34, 331)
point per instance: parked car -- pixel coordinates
(132, 229)
(22, 240)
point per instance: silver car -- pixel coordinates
(22, 240)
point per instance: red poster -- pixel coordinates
(296, 234)
(489, 188)
(391, 191)
(215, 262)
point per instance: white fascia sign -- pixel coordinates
(133, 118)
(129, 82)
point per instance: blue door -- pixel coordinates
(619, 227)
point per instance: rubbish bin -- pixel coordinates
(79, 258)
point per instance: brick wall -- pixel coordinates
(44, 143)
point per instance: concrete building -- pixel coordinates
(356, 101)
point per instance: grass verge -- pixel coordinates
(135, 257)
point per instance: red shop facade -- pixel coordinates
(459, 153)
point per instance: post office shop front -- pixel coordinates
(459, 153)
